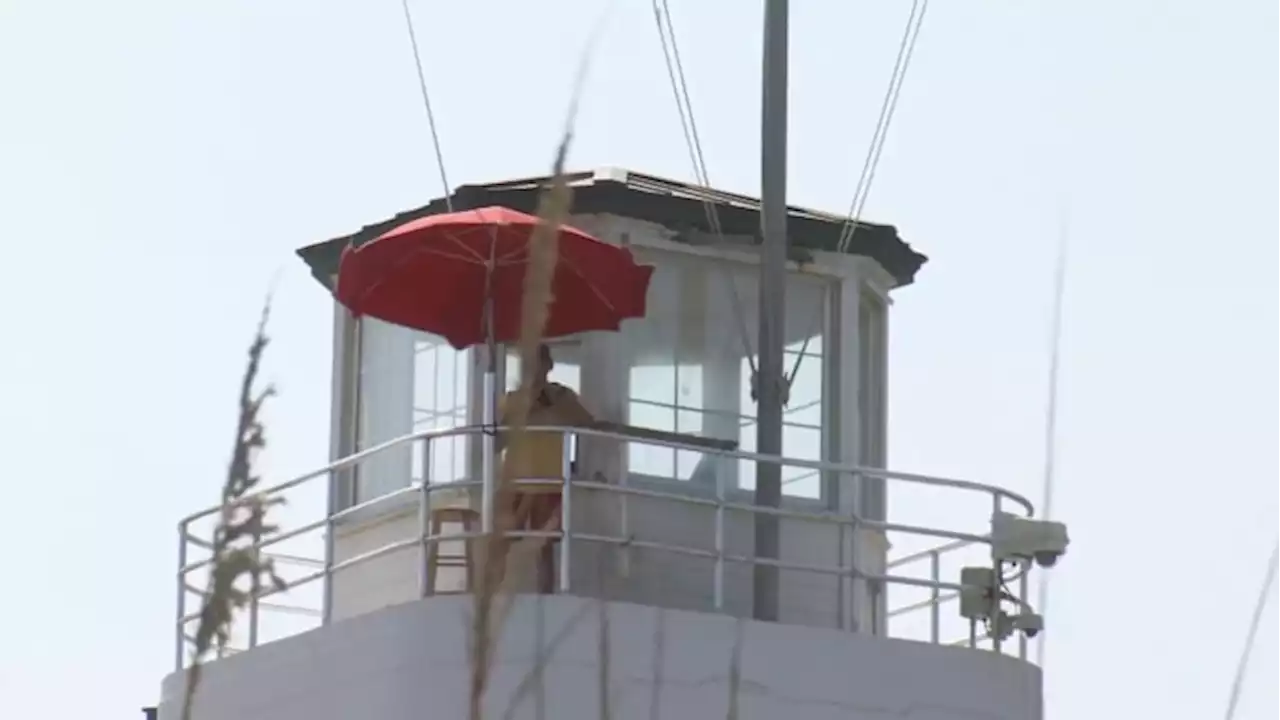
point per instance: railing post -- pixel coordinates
(326, 602)
(996, 588)
(1023, 591)
(424, 524)
(488, 454)
(718, 589)
(624, 565)
(856, 584)
(842, 620)
(255, 587)
(935, 596)
(180, 641)
(566, 511)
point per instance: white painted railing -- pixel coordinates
(722, 501)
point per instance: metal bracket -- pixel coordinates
(784, 388)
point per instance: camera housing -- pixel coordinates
(1029, 623)
(1025, 539)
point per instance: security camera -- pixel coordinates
(1029, 623)
(1046, 559)
(1017, 538)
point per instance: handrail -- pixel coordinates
(941, 592)
(823, 466)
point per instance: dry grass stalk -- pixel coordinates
(241, 523)
(532, 679)
(489, 611)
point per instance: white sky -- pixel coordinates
(160, 161)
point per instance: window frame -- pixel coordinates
(830, 284)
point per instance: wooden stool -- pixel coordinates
(469, 520)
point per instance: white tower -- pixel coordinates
(873, 618)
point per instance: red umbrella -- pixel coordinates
(438, 273)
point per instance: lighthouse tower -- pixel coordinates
(879, 613)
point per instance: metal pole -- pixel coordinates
(425, 542)
(773, 278)
(566, 511)
(935, 598)
(488, 448)
(255, 588)
(718, 581)
(997, 621)
(180, 643)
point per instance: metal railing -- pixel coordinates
(720, 503)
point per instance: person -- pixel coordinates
(539, 458)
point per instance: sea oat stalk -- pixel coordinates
(241, 524)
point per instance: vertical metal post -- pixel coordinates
(773, 279)
(487, 451)
(842, 615)
(343, 485)
(935, 597)
(180, 641)
(255, 588)
(488, 448)
(566, 511)
(997, 570)
(857, 584)
(326, 602)
(624, 564)
(718, 583)
(424, 524)
(1023, 591)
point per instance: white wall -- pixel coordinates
(411, 662)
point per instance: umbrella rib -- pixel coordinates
(404, 260)
(571, 267)
(444, 254)
(456, 239)
(518, 255)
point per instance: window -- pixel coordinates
(409, 382)
(567, 370)
(665, 397)
(670, 350)
(801, 421)
(689, 374)
(441, 394)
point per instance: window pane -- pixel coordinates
(689, 422)
(805, 402)
(654, 383)
(797, 443)
(688, 387)
(567, 370)
(409, 382)
(651, 459)
(440, 376)
(806, 485)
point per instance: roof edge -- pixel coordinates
(647, 197)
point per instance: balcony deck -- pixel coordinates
(681, 545)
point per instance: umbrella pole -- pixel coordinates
(488, 449)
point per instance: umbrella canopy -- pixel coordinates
(437, 274)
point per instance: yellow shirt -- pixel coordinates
(539, 455)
